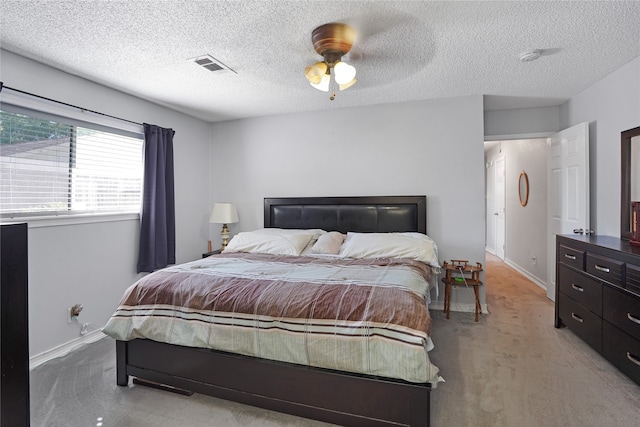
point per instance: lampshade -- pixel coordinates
(223, 213)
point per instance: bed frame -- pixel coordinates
(331, 396)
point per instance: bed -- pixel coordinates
(347, 395)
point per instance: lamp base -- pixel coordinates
(225, 237)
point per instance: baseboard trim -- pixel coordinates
(64, 349)
(526, 274)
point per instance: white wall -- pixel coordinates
(525, 226)
(428, 147)
(92, 264)
(611, 106)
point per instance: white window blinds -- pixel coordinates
(57, 167)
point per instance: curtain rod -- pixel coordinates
(2, 86)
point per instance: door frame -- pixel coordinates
(490, 203)
(501, 230)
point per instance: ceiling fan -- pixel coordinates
(332, 41)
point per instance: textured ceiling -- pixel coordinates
(405, 50)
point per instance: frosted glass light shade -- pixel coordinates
(224, 213)
(344, 73)
(323, 85)
(348, 85)
(314, 73)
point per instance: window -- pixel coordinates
(53, 166)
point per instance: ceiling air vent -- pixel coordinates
(211, 64)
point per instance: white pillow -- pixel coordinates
(328, 244)
(271, 242)
(415, 246)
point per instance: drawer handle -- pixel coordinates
(633, 318)
(577, 318)
(571, 257)
(632, 358)
(603, 269)
(577, 288)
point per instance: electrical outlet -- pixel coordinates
(73, 313)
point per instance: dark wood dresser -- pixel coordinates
(14, 325)
(598, 296)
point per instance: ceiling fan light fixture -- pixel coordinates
(332, 41)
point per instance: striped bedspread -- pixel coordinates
(365, 316)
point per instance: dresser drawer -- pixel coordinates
(632, 278)
(605, 268)
(622, 310)
(580, 288)
(581, 321)
(622, 350)
(571, 256)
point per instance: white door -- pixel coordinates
(499, 207)
(567, 191)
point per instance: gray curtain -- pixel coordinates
(158, 219)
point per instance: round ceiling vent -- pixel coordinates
(531, 55)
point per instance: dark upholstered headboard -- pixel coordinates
(360, 214)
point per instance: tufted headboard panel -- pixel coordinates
(360, 214)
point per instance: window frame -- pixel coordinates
(20, 103)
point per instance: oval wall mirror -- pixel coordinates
(523, 188)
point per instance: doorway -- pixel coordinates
(515, 233)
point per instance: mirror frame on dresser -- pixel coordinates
(625, 181)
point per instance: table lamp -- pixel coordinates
(224, 213)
